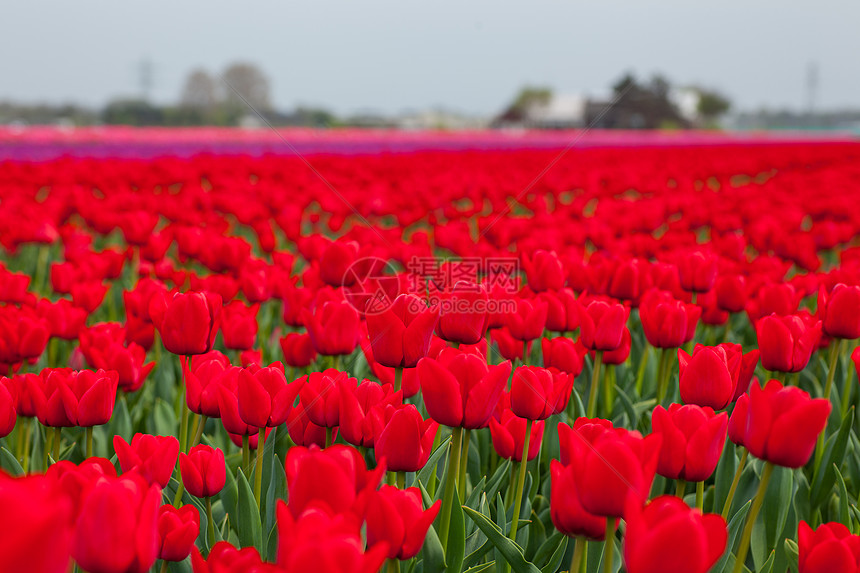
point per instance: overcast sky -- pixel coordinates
(470, 56)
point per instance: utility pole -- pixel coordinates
(811, 90)
(145, 78)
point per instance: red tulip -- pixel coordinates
(697, 271)
(239, 325)
(544, 271)
(329, 479)
(265, 397)
(8, 414)
(203, 377)
(188, 322)
(612, 464)
(510, 348)
(177, 531)
(71, 398)
(602, 325)
(89, 295)
(64, 320)
(840, 311)
(127, 362)
(562, 310)
(224, 558)
(320, 395)
(459, 389)
(302, 431)
(298, 350)
(336, 261)
(714, 376)
(403, 438)
(693, 440)
(356, 409)
(116, 531)
(400, 334)
(153, 457)
(203, 471)
(320, 541)
(667, 323)
(786, 342)
(509, 435)
(731, 291)
(464, 314)
(667, 536)
(620, 354)
(333, 328)
(37, 525)
(397, 518)
(780, 425)
(528, 321)
(829, 549)
(538, 393)
(566, 511)
(563, 354)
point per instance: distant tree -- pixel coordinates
(132, 112)
(712, 104)
(250, 82)
(527, 97)
(200, 91)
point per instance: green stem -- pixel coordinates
(401, 480)
(464, 460)
(728, 504)
(700, 495)
(211, 523)
(609, 545)
(258, 476)
(28, 429)
(595, 381)
(607, 392)
(451, 475)
(58, 437)
(665, 374)
(246, 453)
(640, 374)
(680, 488)
(398, 380)
(521, 482)
(835, 347)
(49, 438)
(392, 566)
(329, 433)
(89, 451)
(525, 352)
(726, 335)
(579, 550)
(846, 398)
(753, 514)
(163, 566)
(177, 499)
(198, 435)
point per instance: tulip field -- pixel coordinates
(427, 353)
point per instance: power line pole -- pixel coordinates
(145, 78)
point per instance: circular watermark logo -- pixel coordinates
(374, 285)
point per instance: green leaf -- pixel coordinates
(628, 407)
(767, 566)
(120, 423)
(430, 467)
(248, 516)
(844, 512)
(481, 567)
(792, 553)
(726, 469)
(775, 507)
(164, 419)
(512, 552)
(432, 553)
(9, 463)
(735, 525)
(495, 482)
(456, 548)
(834, 451)
(557, 556)
(277, 490)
